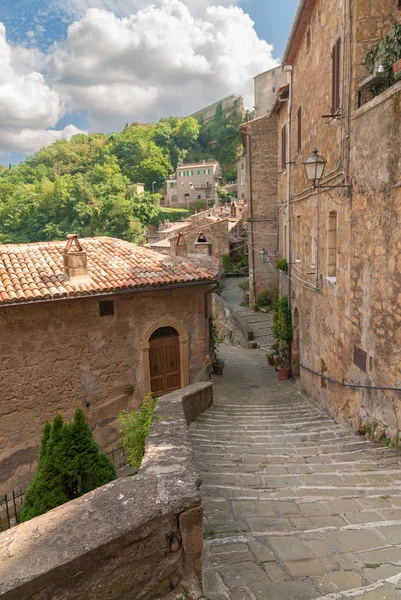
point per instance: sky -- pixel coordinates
(94, 65)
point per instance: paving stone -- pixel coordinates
(383, 593)
(385, 555)
(288, 509)
(319, 547)
(382, 572)
(257, 525)
(357, 518)
(275, 571)
(351, 541)
(391, 534)
(290, 549)
(338, 507)
(285, 590)
(305, 568)
(261, 552)
(314, 509)
(253, 508)
(246, 573)
(342, 580)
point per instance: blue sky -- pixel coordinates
(42, 26)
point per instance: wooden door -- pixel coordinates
(164, 359)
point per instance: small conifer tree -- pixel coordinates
(70, 464)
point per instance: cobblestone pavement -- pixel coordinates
(296, 506)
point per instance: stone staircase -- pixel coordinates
(260, 324)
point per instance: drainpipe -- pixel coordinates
(288, 70)
(249, 161)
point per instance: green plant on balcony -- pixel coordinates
(387, 52)
(282, 265)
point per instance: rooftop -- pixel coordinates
(34, 272)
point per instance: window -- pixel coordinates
(284, 251)
(284, 146)
(308, 39)
(398, 3)
(313, 249)
(106, 308)
(332, 245)
(335, 82)
(298, 238)
(299, 122)
(198, 172)
(173, 198)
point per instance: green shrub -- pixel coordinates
(282, 265)
(282, 322)
(244, 285)
(227, 263)
(136, 426)
(263, 300)
(70, 464)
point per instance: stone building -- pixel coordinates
(194, 182)
(242, 179)
(229, 105)
(97, 324)
(343, 241)
(265, 87)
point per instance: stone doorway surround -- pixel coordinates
(183, 345)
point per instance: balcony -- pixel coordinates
(384, 65)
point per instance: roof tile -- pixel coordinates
(34, 272)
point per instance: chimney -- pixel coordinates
(74, 258)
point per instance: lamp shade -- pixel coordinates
(314, 166)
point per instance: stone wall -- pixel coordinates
(140, 537)
(265, 87)
(228, 324)
(263, 211)
(55, 356)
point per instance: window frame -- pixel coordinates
(336, 83)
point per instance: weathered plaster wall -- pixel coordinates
(140, 537)
(265, 87)
(57, 355)
(263, 211)
(228, 324)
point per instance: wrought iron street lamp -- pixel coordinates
(314, 168)
(153, 187)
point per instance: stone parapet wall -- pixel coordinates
(228, 323)
(135, 538)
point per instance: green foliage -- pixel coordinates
(214, 338)
(223, 195)
(237, 264)
(136, 426)
(282, 322)
(244, 285)
(264, 300)
(282, 265)
(274, 350)
(70, 464)
(388, 50)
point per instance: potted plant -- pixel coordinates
(244, 286)
(273, 354)
(129, 389)
(282, 265)
(282, 365)
(255, 307)
(218, 366)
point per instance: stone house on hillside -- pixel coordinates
(193, 182)
(98, 323)
(341, 233)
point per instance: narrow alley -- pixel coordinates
(296, 506)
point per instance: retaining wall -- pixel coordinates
(229, 325)
(139, 538)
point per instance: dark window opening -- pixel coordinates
(284, 146)
(308, 39)
(163, 332)
(360, 358)
(106, 308)
(336, 83)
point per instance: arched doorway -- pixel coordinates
(295, 360)
(148, 342)
(164, 361)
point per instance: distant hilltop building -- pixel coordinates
(265, 86)
(193, 182)
(229, 104)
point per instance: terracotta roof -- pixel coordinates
(34, 272)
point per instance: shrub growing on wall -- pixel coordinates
(136, 426)
(70, 464)
(282, 322)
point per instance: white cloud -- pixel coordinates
(27, 141)
(160, 61)
(28, 105)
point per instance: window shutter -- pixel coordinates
(336, 82)
(284, 146)
(299, 129)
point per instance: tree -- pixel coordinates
(146, 209)
(70, 464)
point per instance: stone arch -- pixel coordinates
(183, 342)
(181, 246)
(295, 346)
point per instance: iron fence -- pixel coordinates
(11, 504)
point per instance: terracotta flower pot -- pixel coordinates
(218, 369)
(397, 69)
(272, 361)
(283, 374)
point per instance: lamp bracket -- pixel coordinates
(348, 186)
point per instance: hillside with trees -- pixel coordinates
(85, 185)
